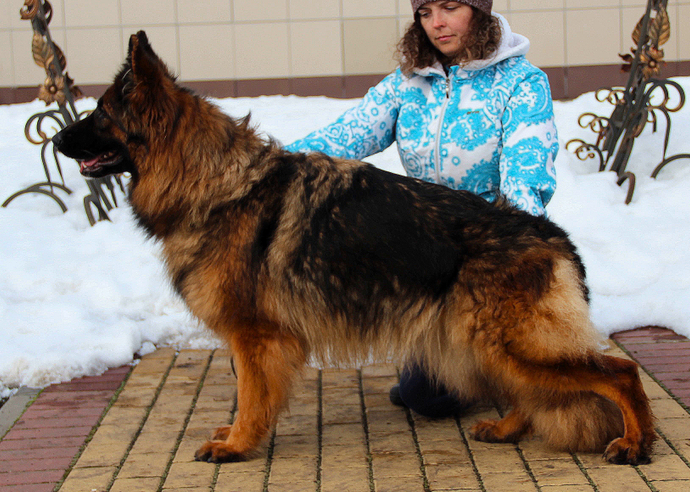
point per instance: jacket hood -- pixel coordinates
(512, 44)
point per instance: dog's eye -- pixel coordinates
(100, 117)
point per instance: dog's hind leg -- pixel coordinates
(619, 381)
(510, 428)
(266, 363)
(559, 385)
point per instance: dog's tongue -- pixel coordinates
(87, 164)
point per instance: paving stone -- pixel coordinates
(86, 479)
(342, 414)
(567, 488)
(293, 469)
(668, 409)
(503, 458)
(30, 477)
(295, 445)
(334, 378)
(234, 481)
(675, 429)
(508, 482)
(291, 486)
(150, 465)
(557, 472)
(103, 451)
(399, 464)
(135, 485)
(380, 370)
(343, 435)
(450, 476)
(666, 467)
(341, 396)
(297, 425)
(671, 486)
(391, 442)
(382, 421)
(37, 459)
(382, 386)
(334, 458)
(389, 484)
(609, 479)
(346, 477)
(389, 459)
(194, 475)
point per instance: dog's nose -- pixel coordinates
(57, 139)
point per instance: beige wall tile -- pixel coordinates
(369, 8)
(582, 4)
(95, 54)
(58, 19)
(517, 5)
(403, 25)
(672, 48)
(500, 6)
(26, 72)
(260, 10)
(308, 9)
(683, 24)
(147, 12)
(221, 39)
(8, 11)
(261, 50)
(592, 36)
(163, 40)
(369, 45)
(87, 13)
(195, 12)
(315, 48)
(6, 66)
(405, 8)
(11, 18)
(206, 52)
(545, 32)
(629, 19)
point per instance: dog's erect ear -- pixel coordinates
(143, 62)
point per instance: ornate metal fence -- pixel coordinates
(643, 101)
(58, 88)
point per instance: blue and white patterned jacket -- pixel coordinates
(487, 127)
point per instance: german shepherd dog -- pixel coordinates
(291, 256)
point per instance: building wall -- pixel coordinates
(332, 47)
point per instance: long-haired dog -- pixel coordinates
(292, 256)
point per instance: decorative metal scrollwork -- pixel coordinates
(58, 88)
(637, 105)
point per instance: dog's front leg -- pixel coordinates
(266, 362)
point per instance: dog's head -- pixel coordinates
(134, 111)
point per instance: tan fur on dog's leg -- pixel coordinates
(510, 428)
(266, 363)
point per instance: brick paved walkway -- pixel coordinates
(136, 429)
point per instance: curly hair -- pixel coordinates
(415, 50)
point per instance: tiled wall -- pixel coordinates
(213, 40)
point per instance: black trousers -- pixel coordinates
(427, 397)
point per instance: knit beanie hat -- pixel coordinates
(483, 5)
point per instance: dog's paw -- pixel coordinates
(218, 452)
(622, 451)
(486, 431)
(221, 433)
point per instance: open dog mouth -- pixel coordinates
(88, 166)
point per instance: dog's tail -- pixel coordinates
(585, 423)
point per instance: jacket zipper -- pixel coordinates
(437, 150)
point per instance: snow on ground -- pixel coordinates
(76, 300)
